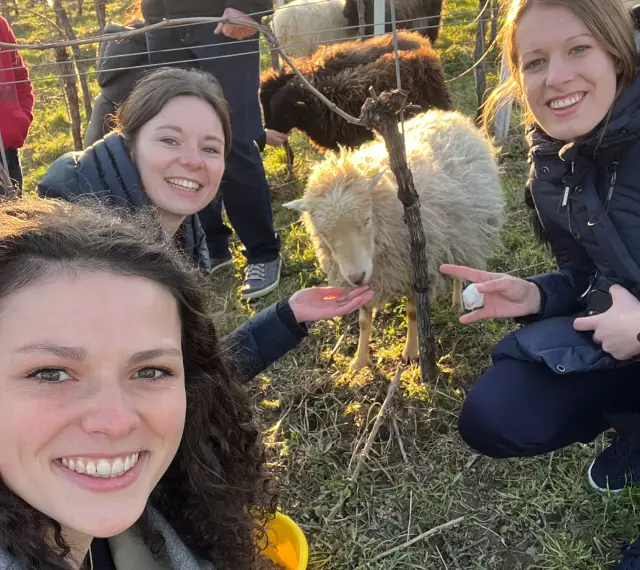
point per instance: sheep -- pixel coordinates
(355, 221)
(343, 73)
(302, 25)
(410, 14)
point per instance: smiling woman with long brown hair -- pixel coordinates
(571, 372)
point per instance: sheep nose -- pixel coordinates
(358, 279)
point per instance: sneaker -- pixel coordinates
(630, 557)
(261, 278)
(220, 262)
(616, 467)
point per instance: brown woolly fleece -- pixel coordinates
(343, 73)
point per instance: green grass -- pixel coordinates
(519, 514)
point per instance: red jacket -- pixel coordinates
(16, 94)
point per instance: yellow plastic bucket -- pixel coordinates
(287, 543)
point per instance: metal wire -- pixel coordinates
(184, 48)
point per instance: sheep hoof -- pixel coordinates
(359, 363)
(410, 358)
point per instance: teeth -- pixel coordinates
(117, 467)
(102, 468)
(562, 103)
(184, 184)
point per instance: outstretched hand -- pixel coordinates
(504, 295)
(316, 303)
(618, 329)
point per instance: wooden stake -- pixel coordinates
(68, 77)
(380, 113)
(63, 22)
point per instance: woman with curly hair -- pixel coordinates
(125, 442)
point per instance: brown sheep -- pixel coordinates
(344, 73)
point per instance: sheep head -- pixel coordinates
(270, 83)
(288, 107)
(338, 211)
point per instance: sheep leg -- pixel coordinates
(456, 299)
(410, 352)
(365, 319)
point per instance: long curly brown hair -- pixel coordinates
(216, 493)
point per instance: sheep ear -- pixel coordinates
(296, 205)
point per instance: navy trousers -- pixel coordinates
(520, 409)
(244, 187)
(15, 171)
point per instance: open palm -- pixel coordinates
(316, 303)
(504, 295)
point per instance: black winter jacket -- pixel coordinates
(153, 10)
(106, 171)
(118, 63)
(587, 196)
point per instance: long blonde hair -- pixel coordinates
(607, 20)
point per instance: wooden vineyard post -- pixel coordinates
(480, 71)
(503, 116)
(380, 113)
(68, 76)
(4, 10)
(495, 17)
(62, 19)
(101, 14)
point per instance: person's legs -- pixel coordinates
(217, 233)
(15, 171)
(519, 408)
(100, 123)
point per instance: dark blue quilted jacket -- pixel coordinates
(587, 197)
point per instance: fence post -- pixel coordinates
(503, 116)
(101, 14)
(62, 19)
(68, 76)
(4, 10)
(480, 72)
(378, 17)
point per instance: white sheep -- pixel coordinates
(302, 25)
(355, 220)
